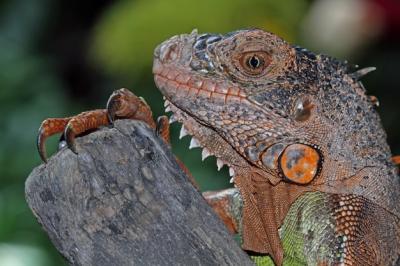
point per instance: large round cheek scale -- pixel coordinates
(299, 163)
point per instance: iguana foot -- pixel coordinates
(122, 104)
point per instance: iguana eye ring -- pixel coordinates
(254, 62)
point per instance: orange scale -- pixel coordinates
(183, 78)
(208, 86)
(172, 74)
(165, 72)
(181, 90)
(221, 88)
(233, 91)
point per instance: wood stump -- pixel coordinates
(123, 200)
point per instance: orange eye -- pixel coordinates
(254, 63)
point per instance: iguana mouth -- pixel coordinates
(181, 85)
(170, 81)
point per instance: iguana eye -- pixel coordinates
(254, 63)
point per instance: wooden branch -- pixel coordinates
(123, 200)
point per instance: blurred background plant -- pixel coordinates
(61, 57)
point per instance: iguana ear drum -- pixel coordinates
(299, 163)
(303, 108)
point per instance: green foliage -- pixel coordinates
(125, 38)
(29, 89)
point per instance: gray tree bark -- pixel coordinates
(123, 200)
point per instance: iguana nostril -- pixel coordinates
(168, 52)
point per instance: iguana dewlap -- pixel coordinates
(315, 183)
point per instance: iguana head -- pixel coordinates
(248, 97)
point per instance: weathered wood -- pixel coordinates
(123, 200)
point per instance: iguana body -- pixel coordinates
(303, 142)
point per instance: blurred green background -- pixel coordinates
(58, 58)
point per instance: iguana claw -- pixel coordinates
(49, 127)
(70, 138)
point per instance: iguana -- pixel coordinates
(315, 182)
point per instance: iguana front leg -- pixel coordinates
(122, 104)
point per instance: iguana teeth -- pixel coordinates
(167, 109)
(194, 143)
(231, 171)
(172, 119)
(220, 163)
(166, 103)
(183, 132)
(204, 154)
